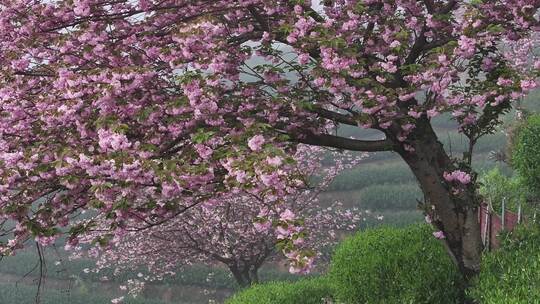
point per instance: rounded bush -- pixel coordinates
(525, 156)
(389, 265)
(512, 273)
(307, 291)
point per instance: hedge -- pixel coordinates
(391, 196)
(307, 291)
(389, 265)
(372, 174)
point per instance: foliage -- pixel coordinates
(390, 196)
(389, 265)
(526, 156)
(497, 187)
(307, 291)
(512, 273)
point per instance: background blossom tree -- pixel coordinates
(142, 109)
(231, 232)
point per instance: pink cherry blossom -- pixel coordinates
(439, 235)
(458, 176)
(256, 142)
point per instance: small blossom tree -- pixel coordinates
(141, 109)
(231, 232)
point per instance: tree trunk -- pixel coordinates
(247, 276)
(239, 276)
(254, 274)
(454, 211)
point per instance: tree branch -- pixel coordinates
(261, 20)
(333, 141)
(335, 116)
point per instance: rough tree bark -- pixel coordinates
(456, 214)
(245, 276)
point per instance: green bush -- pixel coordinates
(525, 154)
(396, 196)
(496, 187)
(307, 291)
(389, 265)
(512, 273)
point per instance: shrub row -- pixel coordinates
(372, 174)
(390, 172)
(390, 196)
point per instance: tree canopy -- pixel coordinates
(141, 109)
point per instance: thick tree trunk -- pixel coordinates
(254, 274)
(455, 211)
(246, 276)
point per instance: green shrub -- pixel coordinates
(496, 187)
(389, 265)
(307, 291)
(396, 196)
(512, 273)
(525, 154)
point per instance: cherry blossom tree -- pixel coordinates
(142, 109)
